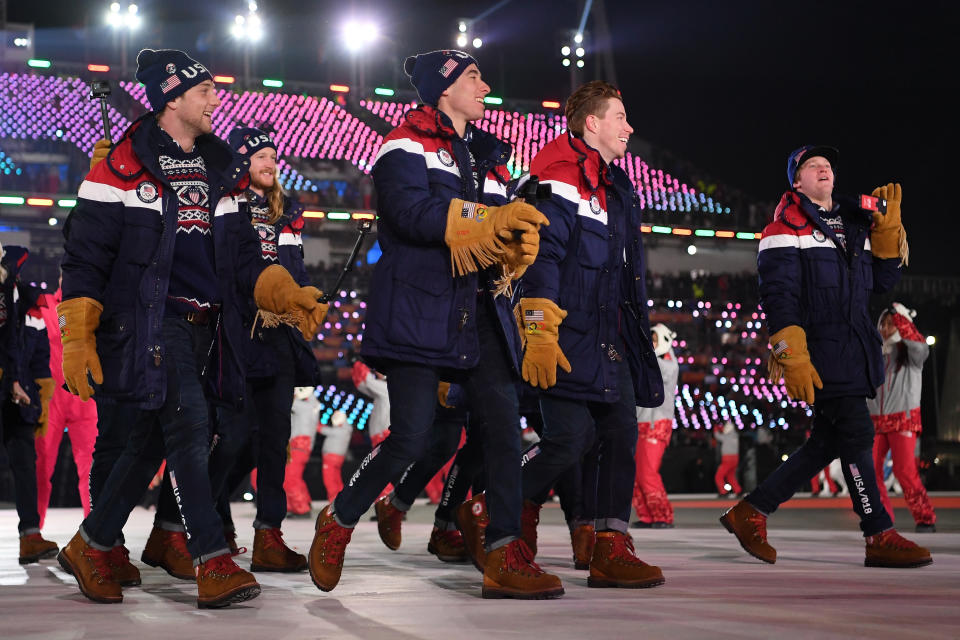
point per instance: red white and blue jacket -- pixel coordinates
(417, 311)
(119, 248)
(808, 279)
(592, 264)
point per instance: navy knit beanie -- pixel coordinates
(798, 156)
(431, 73)
(248, 140)
(168, 73)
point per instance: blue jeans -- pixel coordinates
(179, 428)
(263, 422)
(571, 428)
(18, 440)
(466, 467)
(445, 438)
(841, 428)
(492, 396)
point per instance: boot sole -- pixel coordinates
(458, 559)
(604, 583)
(270, 569)
(241, 594)
(908, 565)
(43, 555)
(495, 593)
(729, 527)
(154, 563)
(66, 566)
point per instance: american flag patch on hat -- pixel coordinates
(448, 67)
(533, 315)
(169, 83)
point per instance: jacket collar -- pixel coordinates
(138, 149)
(485, 147)
(567, 148)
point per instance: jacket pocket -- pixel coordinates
(420, 310)
(116, 348)
(866, 270)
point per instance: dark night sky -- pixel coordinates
(731, 86)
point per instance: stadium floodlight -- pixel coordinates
(357, 34)
(931, 340)
(120, 19)
(566, 62)
(477, 43)
(462, 27)
(564, 50)
(580, 52)
(579, 64)
(578, 38)
(461, 40)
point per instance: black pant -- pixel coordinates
(841, 428)
(445, 438)
(18, 440)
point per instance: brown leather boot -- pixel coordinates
(34, 548)
(123, 570)
(220, 582)
(389, 521)
(615, 564)
(91, 568)
(510, 572)
(472, 521)
(447, 545)
(890, 549)
(582, 539)
(168, 550)
(750, 527)
(270, 553)
(529, 519)
(326, 551)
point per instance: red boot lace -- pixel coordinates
(119, 556)
(273, 538)
(624, 550)
(101, 563)
(178, 541)
(759, 522)
(221, 566)
(519, 558)
(335, 543)
(893, 540)
(231, 537)
(452, 538)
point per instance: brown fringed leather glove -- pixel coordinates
(79, 318)
(478, 234)
(101, 149)
(46, 387)
(542, 356)
(277, 292)
(888, 238)
(790, 360)
(443, 390)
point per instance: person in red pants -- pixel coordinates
(895, 412)
(729, 441)
(831, 484)
(654, 428)
(336, 441)
(68, 413)
(374, 384)
(303, 431)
